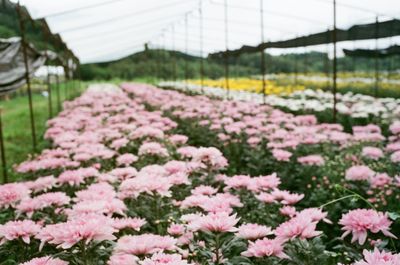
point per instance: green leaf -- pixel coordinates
(394, 216)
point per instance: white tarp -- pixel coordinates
(12, 67)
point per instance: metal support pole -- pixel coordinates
(376, 57)
(334, 62)
(227, 50)
(186, 52)
(50, 103)
(27, 77)
(262, 50)
(201, 47)
(173, 53)
(327, 63)
(58, 92)
(296, 69)
(2, 150)
(48, 77)
(163, 58)
(66, 88)
(79, 77)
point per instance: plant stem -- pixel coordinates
(337, 200)
(217, 249)
(84, 253)
(353, 195)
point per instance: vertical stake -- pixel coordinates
(376, 57)
(58, 92)
(48, 75)
(262, 50)
(201, 47)
(27, 77)
(173, 53)
(49, 93)
(334, 62)
(186, 52)
(2, 151)
(227, 50)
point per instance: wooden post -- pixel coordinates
(58, 92)
(2, 150)
(50, 105)
(227, 50)
(376, 57)
(334, 63)
(173, 53)
(186, 53)
(201, 47)
(262, 50)
(27, 77)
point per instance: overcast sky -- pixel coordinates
(114, 29)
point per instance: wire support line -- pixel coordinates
(125, 16)
(69, 11)
(275, 13)
(145, 27)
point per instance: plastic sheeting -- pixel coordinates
(378, 30)
(12, 67)
(366, 53)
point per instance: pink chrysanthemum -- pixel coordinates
(358, 222)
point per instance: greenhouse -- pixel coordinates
(191, 132)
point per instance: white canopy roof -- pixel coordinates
(104, 30)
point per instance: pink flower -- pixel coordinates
(281, 155)
(12, 193)
(119, 143)
(266, 248)
(210, 156)
(123, 259)
(204, 190)
(265, 197)
(297, 227)
(144, 244)
(176, 229)
(150, 184)
(128, 222)
(360, 221)
(126, 159)
(164, 259)
(288, 211)
(380, 180)
(359, 173)
(286, 197)
(311, 160)
(379, 258)
(45, 261)
(253, 231)
(215, 222)
(178, 139)
(42, 183)
(395, 127)
(315, 214)
(18, 229)
(238, 181)
(372, 152)
(153, 148)
(264, 183)
(88, 228)
(29, 205)
(395, 157)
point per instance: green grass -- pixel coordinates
(17, 127)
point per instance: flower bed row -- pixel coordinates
(123, 185)
(352, 108)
